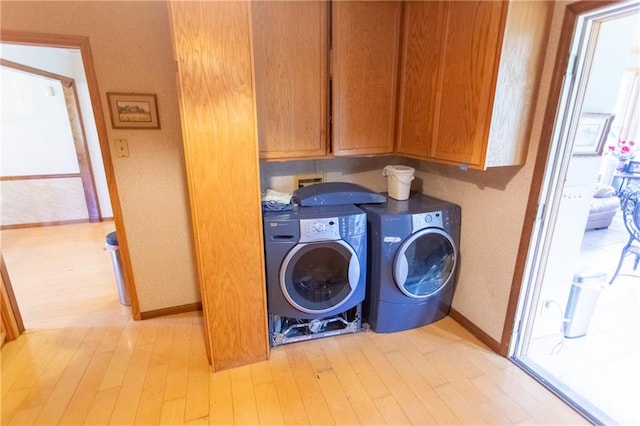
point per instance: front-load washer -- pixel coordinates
(315, 260)
(413, 262)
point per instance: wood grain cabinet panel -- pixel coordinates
(212, 43)
(290, 61)
(365, 47)
(423, 33)
(469, 79)
(469, 65)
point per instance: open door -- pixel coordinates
(596, 40)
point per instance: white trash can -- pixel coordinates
(399, 181)
(585, 291)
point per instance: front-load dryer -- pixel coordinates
(315, 260)
(413, 262)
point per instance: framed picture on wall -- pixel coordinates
(133, 111)
(591, 133)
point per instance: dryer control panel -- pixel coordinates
(321, 229)
(426, 220)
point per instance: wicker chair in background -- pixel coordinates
(631, 218)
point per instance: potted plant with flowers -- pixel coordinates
(623, 150)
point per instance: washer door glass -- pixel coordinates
(318, 277)
(425, 262)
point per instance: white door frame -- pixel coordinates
(573, 63)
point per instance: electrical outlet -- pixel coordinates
(306, 180)
(122, 147)
(549, 304)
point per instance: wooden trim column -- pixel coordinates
(212, 45)
(12, 325)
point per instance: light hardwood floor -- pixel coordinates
(94, 365)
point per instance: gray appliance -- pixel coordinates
(413, 258)
(315, 269)
(335, 194)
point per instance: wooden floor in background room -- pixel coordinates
(62, 276)
(93, 365)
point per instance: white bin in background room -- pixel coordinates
(399, 181)
(585, 291)
(113, 247)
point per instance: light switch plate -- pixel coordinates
(122, 147)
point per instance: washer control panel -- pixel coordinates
(319, 229)
(427, 220)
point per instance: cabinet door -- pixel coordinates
(450, 63)
(422, 43)
(365, 47)
(290, 60)
(468, 78)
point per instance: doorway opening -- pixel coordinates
(47, 175)
(586, 357)
(67, 237)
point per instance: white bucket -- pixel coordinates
(399, 181)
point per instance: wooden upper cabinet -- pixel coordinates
(290, 61)
(469, 79)
(421, 40)
(469, 65)
(365, 47)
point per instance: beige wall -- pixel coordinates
(366, 171)
(492, 202)
(131, 50)
(493, 205)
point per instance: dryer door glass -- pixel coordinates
(424, 263)
(319, 277)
